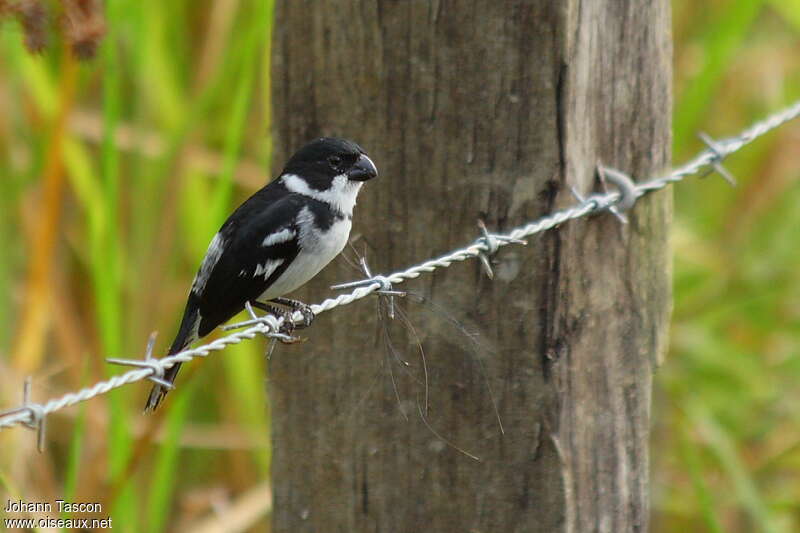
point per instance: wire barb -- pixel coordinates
(490, 243)
(382, 283)
(628, 193)
(718, 153)
(156, 368)
(33, 415)
(37, 414)
(581, 198)
(273, 326)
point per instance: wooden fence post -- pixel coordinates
(478, 109)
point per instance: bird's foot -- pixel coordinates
(288, 326)
(297, 305)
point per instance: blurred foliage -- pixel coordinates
(726, 439)
(117, 171)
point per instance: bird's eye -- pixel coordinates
(335, 162)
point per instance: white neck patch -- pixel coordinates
(341, 195)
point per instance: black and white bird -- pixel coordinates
(276, 241)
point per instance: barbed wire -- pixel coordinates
(33, 414)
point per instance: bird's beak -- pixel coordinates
(363, 169)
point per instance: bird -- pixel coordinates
(274, 242)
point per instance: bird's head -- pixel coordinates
(323, 160)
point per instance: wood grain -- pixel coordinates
(478, 109)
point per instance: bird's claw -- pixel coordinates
(308, 316)
(288, 325)
(291, 339)
(296, 305)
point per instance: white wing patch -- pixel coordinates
(316, 249)
(284, 235)
(267, 268)
(213, 254)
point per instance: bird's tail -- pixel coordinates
(187, 334)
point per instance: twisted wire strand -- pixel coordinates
(32, 414)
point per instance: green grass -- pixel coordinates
(725, 444)
(134, 225)
(189, 81)
(731, 25)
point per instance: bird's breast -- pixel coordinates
(317, 249)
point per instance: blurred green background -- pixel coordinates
(117, 171)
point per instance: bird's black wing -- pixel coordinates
(256, 245)
(238, 267)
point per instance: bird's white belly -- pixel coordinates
(316, 251)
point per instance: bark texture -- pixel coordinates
(478, 109)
